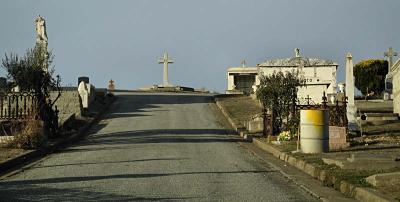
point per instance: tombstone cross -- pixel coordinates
(243, 63)
(165, 60)
(390, 54)
(308, 99)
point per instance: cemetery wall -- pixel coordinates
(68, 104)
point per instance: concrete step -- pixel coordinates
(379, 118)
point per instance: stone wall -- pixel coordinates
(68, 105)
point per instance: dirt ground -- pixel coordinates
(6, 153)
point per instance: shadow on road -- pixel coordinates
(131, 105)
(121, 176)
(163, 136)
(30, 192)
(109, 162)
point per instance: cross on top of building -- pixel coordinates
(243, 63)
(390, 54)
(165, 60)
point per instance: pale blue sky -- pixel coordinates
(122, 40)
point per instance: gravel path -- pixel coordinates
(154, 147)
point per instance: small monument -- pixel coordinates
(351, 108)
(165, 60)
(111, 85)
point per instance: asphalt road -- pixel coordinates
(154, 147)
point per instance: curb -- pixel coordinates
(27, 156)
(358, 193)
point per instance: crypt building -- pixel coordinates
(319, 76)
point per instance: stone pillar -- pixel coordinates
(351, 108)
(231, 82)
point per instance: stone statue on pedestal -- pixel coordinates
(41, 29)
(41, 40)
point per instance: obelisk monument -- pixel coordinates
(165, 60)
(351, 108)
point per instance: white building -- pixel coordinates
(242, 79)
(319, 74)
(395, 74)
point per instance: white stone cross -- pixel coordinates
(165, 60)
(390, 54)
(243, 63)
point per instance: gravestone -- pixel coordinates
(337, 138)
(84, 79)
(351, 108)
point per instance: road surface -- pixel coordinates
(154, 147)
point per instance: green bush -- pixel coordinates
(370, 74)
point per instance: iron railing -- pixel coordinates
(17, 106)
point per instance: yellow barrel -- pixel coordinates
(314, 131)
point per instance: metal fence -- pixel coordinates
(337, 113)
(17, 106)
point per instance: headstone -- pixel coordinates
(84, 79)
(337, 138)
(83, 94)
(351, 108)
(111, 85)
(165, 60)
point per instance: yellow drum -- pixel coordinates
(314, 131)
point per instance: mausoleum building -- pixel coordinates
(242, 79)
(319, 75)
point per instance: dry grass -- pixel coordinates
(240, 108)
(30, 137)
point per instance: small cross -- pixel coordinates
(390, 54)
(308, 99)
(243, 63)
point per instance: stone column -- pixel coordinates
(231, 82)
(351, 108)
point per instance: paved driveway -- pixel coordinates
(154, 147)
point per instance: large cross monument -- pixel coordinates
(165, 60)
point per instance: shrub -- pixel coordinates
(31, 136)
(370, 74)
